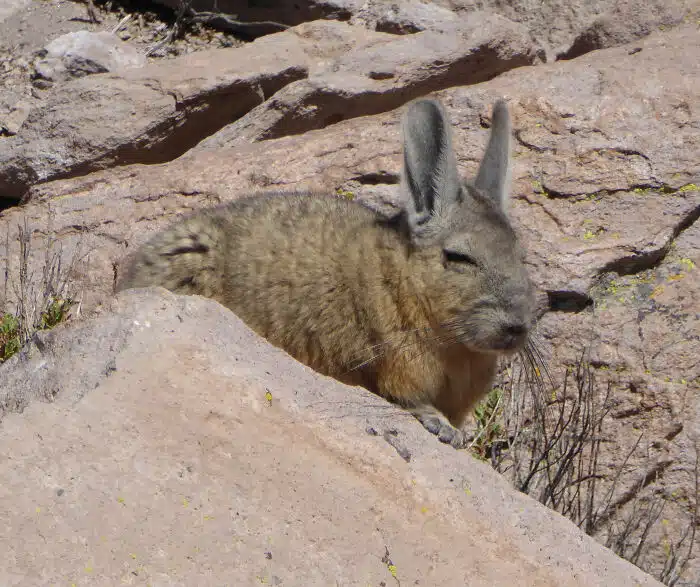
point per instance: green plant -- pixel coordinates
(9, 336)
(489, 431)
(40, 301)
(55, 313)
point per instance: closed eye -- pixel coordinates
(456, 258)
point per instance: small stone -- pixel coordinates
(83, 53)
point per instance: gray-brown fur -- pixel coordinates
(417, 310)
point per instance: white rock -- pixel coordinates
(83, 53)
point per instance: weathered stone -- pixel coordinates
(380, 77)
(587, 153)
(628, 21)
(156, 113)
(83, 53)
(557, 24)
(13, 112)
(178, 445)
(25, 28)
(150, 114)
(410, 16)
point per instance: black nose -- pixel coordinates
(516, 329)
(513, 335)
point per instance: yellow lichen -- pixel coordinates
(687, 263)
(343, 193)
(658, 290)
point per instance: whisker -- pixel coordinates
(395, 336)
(535, 349)
(391, 343)
(533, 375)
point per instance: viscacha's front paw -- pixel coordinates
(437, 424)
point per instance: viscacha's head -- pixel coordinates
(464, 255)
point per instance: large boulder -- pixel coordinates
(178, 447)
(372, 79)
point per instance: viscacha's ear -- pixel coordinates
(430, 167)
(493, 177)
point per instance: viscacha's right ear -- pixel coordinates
(430, 167)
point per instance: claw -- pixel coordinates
(435, 423)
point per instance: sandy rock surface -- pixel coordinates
(182, 449)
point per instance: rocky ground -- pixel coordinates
(28, 26)
(98, 152)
